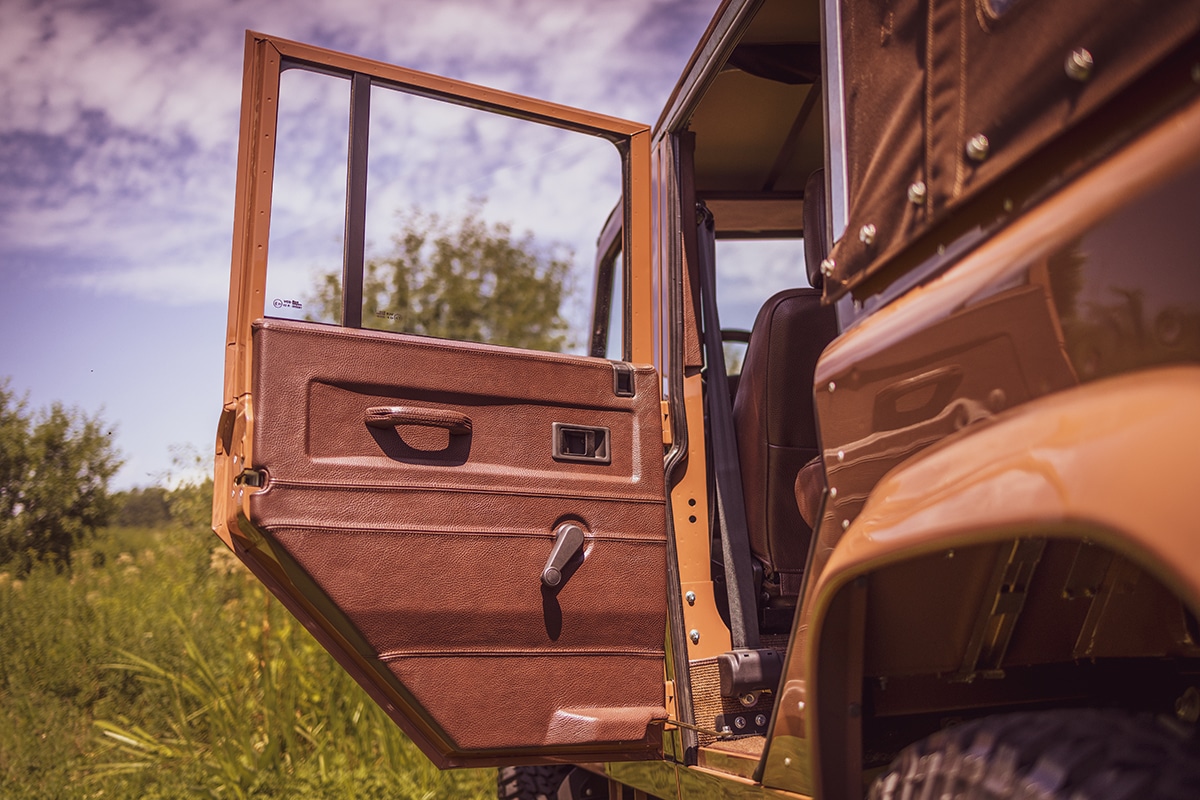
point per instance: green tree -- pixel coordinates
(469, 280)
(56, 475)
(190, 496)
(142, 507)
(14, 466)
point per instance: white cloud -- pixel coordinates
(118, 121)
(169, 284)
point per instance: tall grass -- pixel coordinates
(160, 668)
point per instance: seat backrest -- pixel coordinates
(776, 427)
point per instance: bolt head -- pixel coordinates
(866, 234)
(827, 266)
(695, 636)
(739, 723)
(832, 386)
(691, 598)
(917, 193)
(832, 492)
(841, 456)
(978, 147)
(1079, 65)
(748, 699)
(845, 524)
(760, 720)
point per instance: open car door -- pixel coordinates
(406, 497)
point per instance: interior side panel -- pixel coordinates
(431, 543)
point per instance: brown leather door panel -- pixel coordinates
(417, 533)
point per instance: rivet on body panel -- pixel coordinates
(978, 147)
(1079, 65)
(832, 386)
(787, 761)
(845, 524)
(695, 634)
(832, 492)
(917, 192)
(841, 456)
(866, 234)
(691, 598)
(827, 266)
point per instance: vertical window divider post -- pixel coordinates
(353, 259)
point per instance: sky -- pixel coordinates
(118, 144)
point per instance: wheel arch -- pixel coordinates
(1105, 466)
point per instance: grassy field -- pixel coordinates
(157, 667)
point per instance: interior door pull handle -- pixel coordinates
(391, 416)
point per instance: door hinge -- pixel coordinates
(669, 700)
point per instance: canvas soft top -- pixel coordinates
(945, 97)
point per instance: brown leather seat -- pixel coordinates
(773, 409)
(776, 427)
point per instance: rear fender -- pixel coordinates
(1113, 464)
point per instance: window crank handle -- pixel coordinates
(568, 539)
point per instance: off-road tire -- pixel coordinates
(1082, 754)
(531, 783)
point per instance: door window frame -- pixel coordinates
(266, 57)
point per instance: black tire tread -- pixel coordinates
(1084, 754)
(530, 783)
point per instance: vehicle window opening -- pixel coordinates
(399, 212)
(609, 337)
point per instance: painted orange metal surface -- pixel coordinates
(1105, 457)
(1113, 457)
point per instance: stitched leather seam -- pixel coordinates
(524, 653)
(443, 488)
(474, 532)
(455, 347)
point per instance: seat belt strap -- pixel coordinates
(731, 507)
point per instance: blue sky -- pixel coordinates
(118, 139)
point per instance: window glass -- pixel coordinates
(750, 271)
(482, 227)
(614, 348)
(308, 201)
(479, 226)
